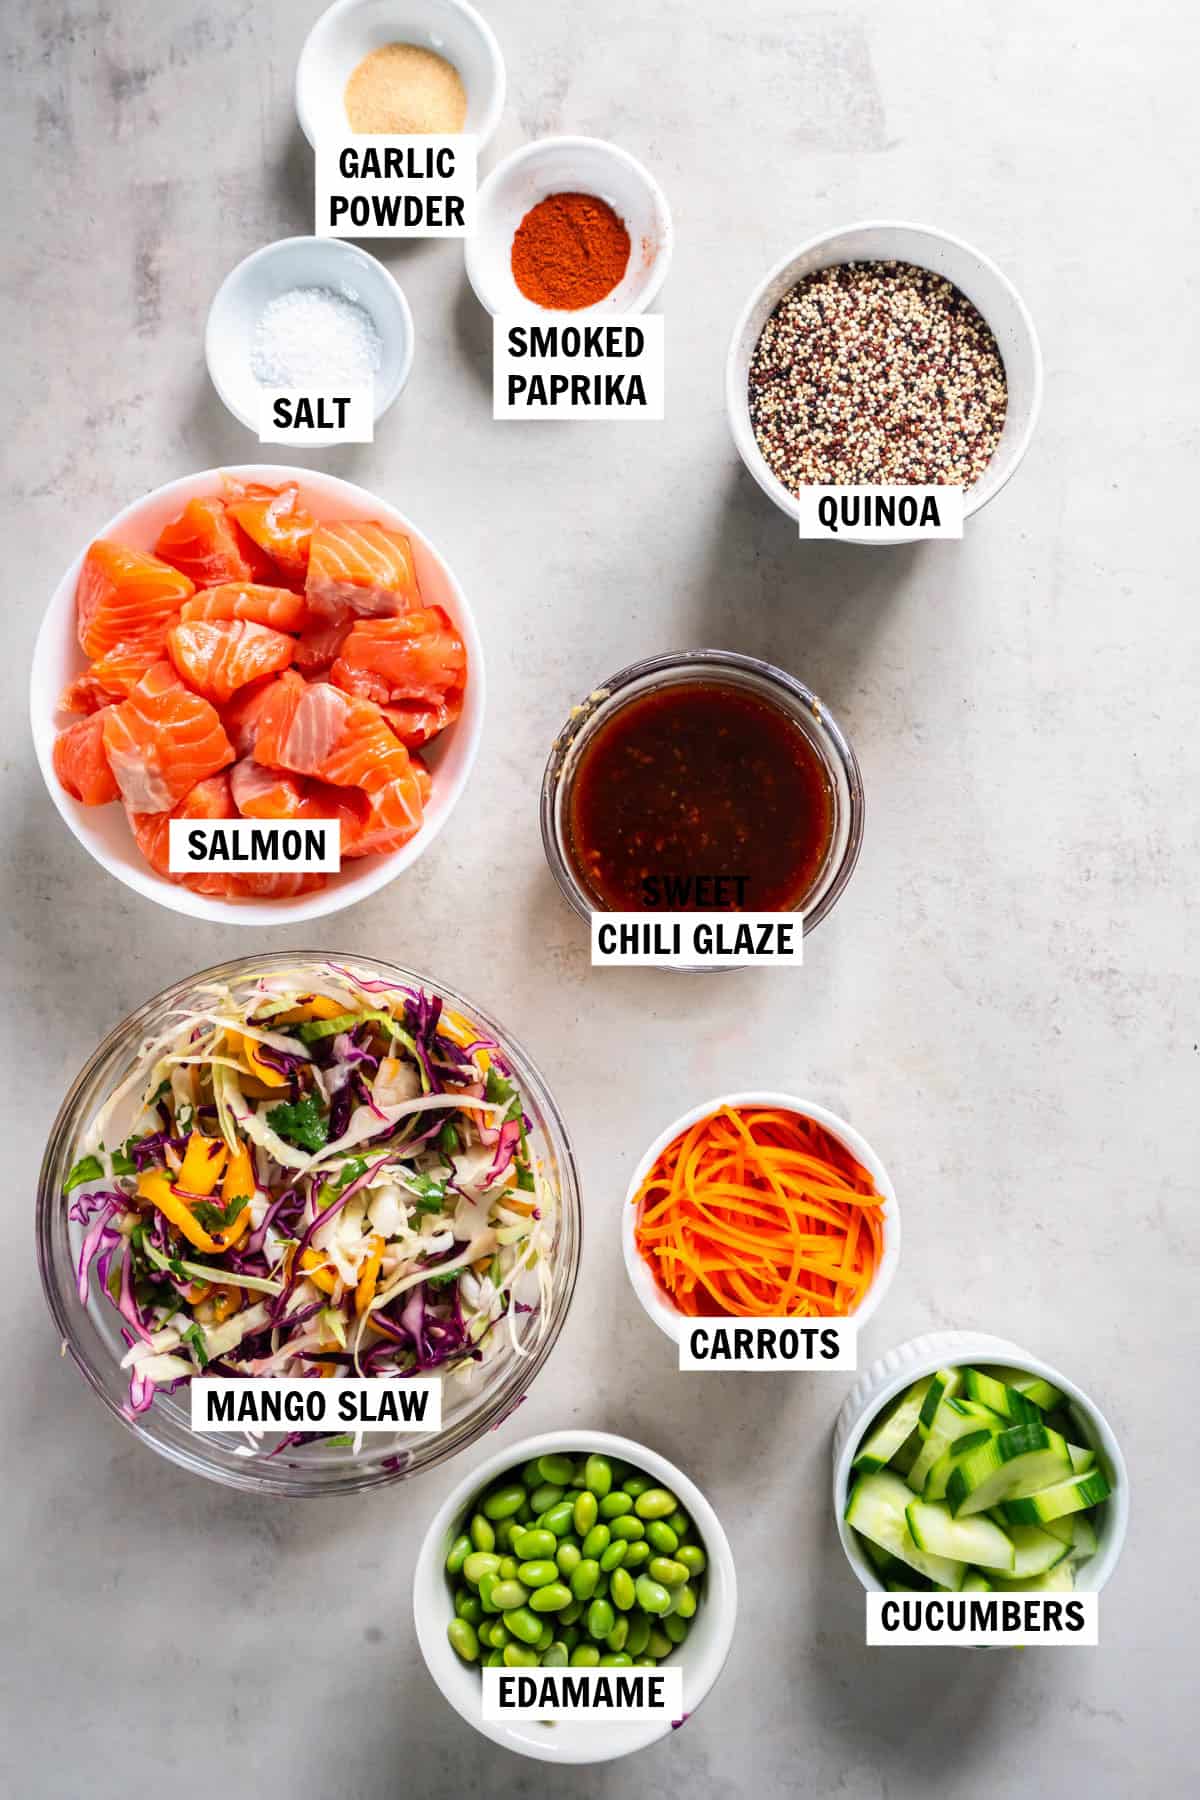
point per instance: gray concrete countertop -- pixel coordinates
(1004, 1002)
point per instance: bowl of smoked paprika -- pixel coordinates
(569, 225)
(702, 782)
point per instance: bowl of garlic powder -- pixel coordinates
(425, 66)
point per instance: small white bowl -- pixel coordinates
(351, 29)
(570, 165)
(943, 1349)
(303, 262)
(652, 1297)
(104, 830)
(702, 1655)
(974, 274)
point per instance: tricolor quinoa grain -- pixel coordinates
(877, 373)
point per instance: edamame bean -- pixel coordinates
(584, 1656)
(482, 1533)
(463, 1639)
(503, 1502)
(676, 1629)
(551, 1597)
(537, 1574)
(616, 1662)
(532, 1545)
(600, 1619)
(685, 1602)
(557, 1470)
(645, 1662)
(559, 1519)
(568, 1557)
(621, 1592)
(679, 1523)
(523, 1624)
(616, 1637)
(597, 1541)
(506, 1531)
(597, 1475)
(584, 1514)
(652, 1597)
(628, 1526)
(518, 1656)
(658, 1644)
(614, 1556)
(547, 1495)
(507, 1594)
(457, 1555)
(662, 1537)
(569, 1635)
(497, 1635)
(546, 1639)
(532, 1475)
(583, 1581)
(636, 1484)
(508, 1568)
(486, 1586)
(655, 1503)
(639, 1553)
(479, 1564)
(672, 1574)
(616, 1503)
(639, 1635)
(569, 1614)
(556, 1656)
(467, 1606)
(693, 1558)
(494, 1660)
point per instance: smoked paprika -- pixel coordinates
(570, 250)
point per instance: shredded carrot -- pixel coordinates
(761, 1213)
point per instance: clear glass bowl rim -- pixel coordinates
(339, 1474)
(796, 698)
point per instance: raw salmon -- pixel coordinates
(240, 716)
(215, 659)
(81, 764)
(205, 543)
(212, 799)
(357, 568)
(114, 675)
(413, 666)
(124, 595)
(261, 793)
(162, 741)
(274, 519)
(318, 645)
(277, 607)
(300, 724)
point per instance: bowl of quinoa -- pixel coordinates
(883, 354)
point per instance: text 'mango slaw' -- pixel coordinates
(314, 1174)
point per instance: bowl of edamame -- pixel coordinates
(580, 1549)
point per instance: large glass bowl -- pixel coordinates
(90, 1334)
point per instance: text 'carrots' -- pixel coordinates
(760, 1213)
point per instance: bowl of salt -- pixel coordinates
(310, 314)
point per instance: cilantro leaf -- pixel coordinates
(300, 1122)
(219, 1218)
(90, 1168)
(430, 1192)
(195, 1337)
(443, 1279)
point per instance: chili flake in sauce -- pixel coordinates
(697, 796)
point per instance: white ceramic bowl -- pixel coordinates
(303, 262)
(973, 273)
(941, 1349)
(351, 29)
(104, 831)
(652, 1297)
(570, 165)
(702, 1655)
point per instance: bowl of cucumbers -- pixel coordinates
(963, 1463)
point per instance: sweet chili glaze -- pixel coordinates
(699, 795)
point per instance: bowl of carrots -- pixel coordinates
(760, 1206)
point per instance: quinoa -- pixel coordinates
(877, 373)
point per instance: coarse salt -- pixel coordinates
(315, 337)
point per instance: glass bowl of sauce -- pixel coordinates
(702, 782)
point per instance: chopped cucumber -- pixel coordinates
(1058, 1579)
(876, 1509)
(977, 1541)
(1036, 1551)
(1049, 1502)
(1015, 1462)
(890, 1567)
(907, 1454)
(943, 1383)
(939, 1475)
(1042, 1393)
(952, 1420)
(881, 1445)
(1008, 1401)
(1081, 1459)
(975, 1583)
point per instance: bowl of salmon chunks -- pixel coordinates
(258, 643)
